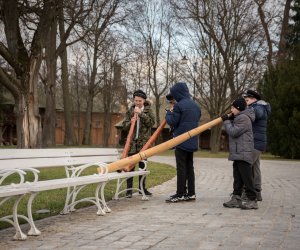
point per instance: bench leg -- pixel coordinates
(66, 209)
(71, 202)
(101, 210)
(33, 230)
(19, 234)
(105, 207)
(120, 182)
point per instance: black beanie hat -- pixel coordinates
(252, 93)
(140, 93)
(169, 97)
(240, 104)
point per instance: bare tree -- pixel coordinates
(153, 36)
(24, 57)
(106, 14)
(227, 33)
(77, 12)
(267, 22)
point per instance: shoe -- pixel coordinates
(258, 196)
(249, 204)
(146, 192)
(189, 197)
(175, 198)
(244, 196)
(128, 195)
(234, 202)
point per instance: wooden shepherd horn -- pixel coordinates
(151, 140)
(114, 166)
(128, 139)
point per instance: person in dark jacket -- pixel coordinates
(262, 111)
(184, 116)
(238, 126)
(141, 133)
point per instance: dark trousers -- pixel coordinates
(242, 176)
(185, 172)
(130, 180)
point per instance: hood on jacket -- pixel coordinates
(249, 112)
(266, 105)
(180, 91)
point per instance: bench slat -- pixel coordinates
(65, 182)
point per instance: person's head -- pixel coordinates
(170, 99)
(251, 96)
(139, 98)
(238, 105)
(179, 91)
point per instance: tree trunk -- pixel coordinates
(88, 121)
(157, 108)
(91, 92)
(28, 117)
(69, 134)
(106, 128)
(215, 135)
(50, 113)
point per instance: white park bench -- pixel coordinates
(74, 161)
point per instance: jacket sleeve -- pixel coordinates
(147, 119)
(127, 121)
(236, 127)
(173, 118)
(260, 112)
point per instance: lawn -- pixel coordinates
(221, 154)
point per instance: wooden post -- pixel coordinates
(128, 139)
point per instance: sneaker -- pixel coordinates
(189, 197)
(249, 204)
(244, 196)
(234, 202)
(146, 192)
(128, 195)
(175, 198)
(258, 196)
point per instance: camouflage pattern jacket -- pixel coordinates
(144, 133)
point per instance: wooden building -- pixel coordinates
(9, 134)
(97, 132)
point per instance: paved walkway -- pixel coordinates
(203, 224)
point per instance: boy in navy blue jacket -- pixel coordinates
(262, 111)
(184, 116)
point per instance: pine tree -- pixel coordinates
(281, 87)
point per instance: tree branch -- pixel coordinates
(4, 52)
(10, 83)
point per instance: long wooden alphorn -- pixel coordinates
(151, 140)
(114, 166)
(129, 136)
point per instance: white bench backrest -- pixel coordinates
(40, 158)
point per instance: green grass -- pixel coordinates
(221, 154)
(54, 200)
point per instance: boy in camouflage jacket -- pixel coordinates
(141, 133)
